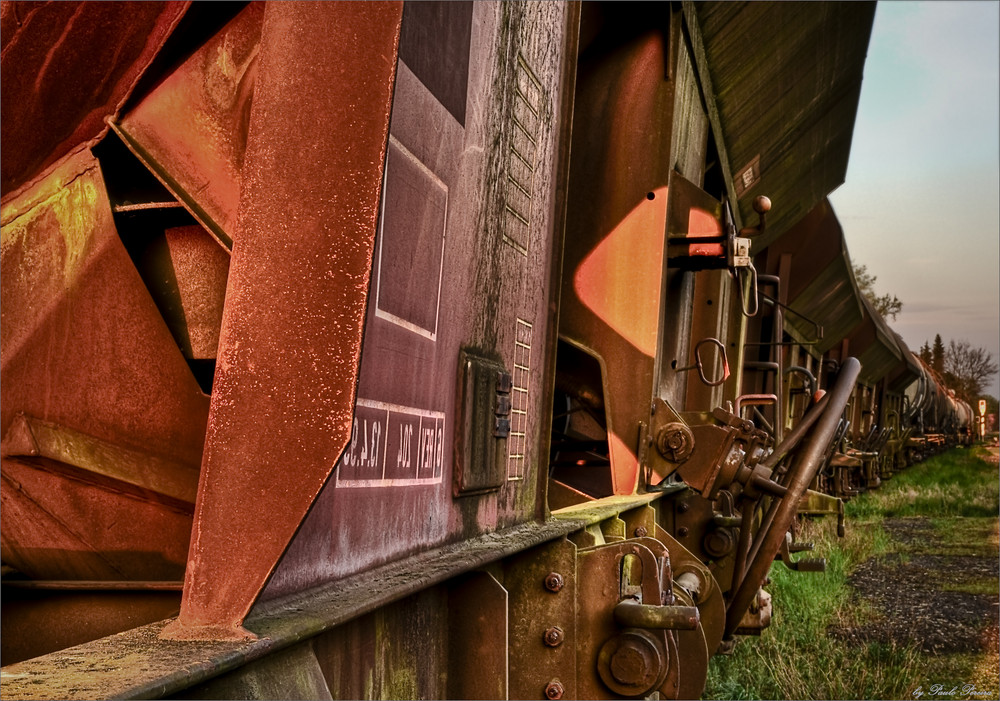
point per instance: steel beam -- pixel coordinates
(290, 344)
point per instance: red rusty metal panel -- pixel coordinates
(191, 130)
(61, 524)
(86, 355)
(616, 223)
(66, 66)
(295, 306)
(37, 621)
(453, 270)
(199, 268)
(35, 441)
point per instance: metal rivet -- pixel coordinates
(554, 581)
(553, 636)
(554, 689)
(683, 507)
(682, 531)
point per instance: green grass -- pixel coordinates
(966, 535)
(957, 483)
(796, 659)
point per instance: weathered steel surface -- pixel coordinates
(200, 269)
(692, 646)
(907, 371)
(296, 296)
(67, 65)
(478, 638)
(602, 576)
(874, 343)
(86, 355)
(453, 269)
(615, 250)
(430, 233)
(33, 440)
(708, 599)
(395, 652)
(537, 611)
(821, 287)
(60, 523)
(785, 80)
(154, 667)
(294, 673)
(191, 130)
(39, 621)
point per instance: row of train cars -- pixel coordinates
(427, 350)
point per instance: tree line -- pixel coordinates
(962, 367)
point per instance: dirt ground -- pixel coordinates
(913, 594)
(932, 591)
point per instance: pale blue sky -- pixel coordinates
(921, 205)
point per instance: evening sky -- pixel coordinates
(921, 204)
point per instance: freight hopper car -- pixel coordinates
(379, 350)
(815, 316)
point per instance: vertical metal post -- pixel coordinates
(291, 334)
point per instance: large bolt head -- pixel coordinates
(675, 442)
(553, 636)
(719, 542)
(633, 663)
(554, 581)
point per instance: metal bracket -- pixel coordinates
(803, 565)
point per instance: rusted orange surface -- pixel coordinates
(66, 66)
(296, 296)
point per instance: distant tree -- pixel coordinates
(886, 305)
(925, 353)
(991, 404)
(937, 355)
(968, 370)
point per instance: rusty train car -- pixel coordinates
(426, 349)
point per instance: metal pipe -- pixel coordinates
(760, 365)
(796, 433)
(805, 469)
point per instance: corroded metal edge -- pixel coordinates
(222, 237)
(591, 512)
(138, 663)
